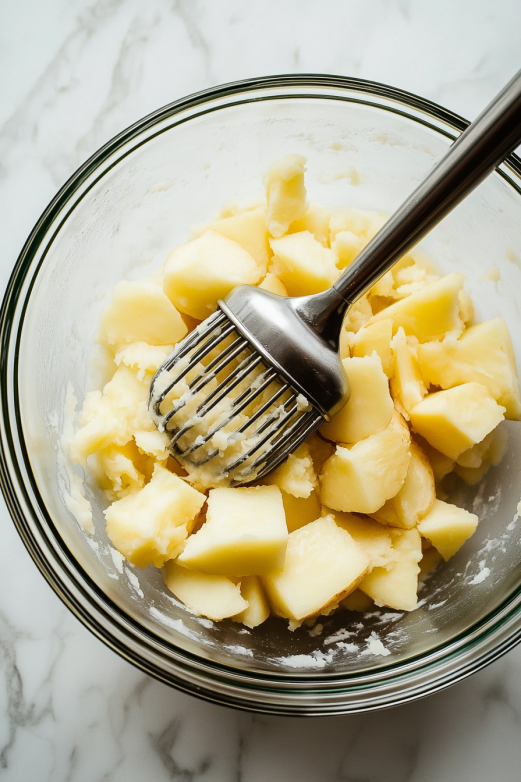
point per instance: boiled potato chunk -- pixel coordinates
(456, 419)
(140, 312)
(415, 498)
(370, 406)
(323, 564)
(375, 539)
(258, 607)
(295, 476)
(357, 601)
(142, 358)
(245, 533)
(303, 264)
(397, 586)
(441, 465)
(448, 527)
(216, 597)
(285, 193)
(112, 417)
(407, 386)
(346, 247)
(299, 510)
(474, 464)
(375, 337)
(204, 270)
(430, 312)
(483, 354)
(149, 526)
(316, 221)
(272, 284)
(361, 477)
(249, 230)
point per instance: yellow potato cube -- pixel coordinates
(407, 386)
(245, 533)
(483, 354)
(370, 406)
(397, 586)
(320, 450)
(357, 601)
(415, 498)
(316, 221)
(448, 527)
(142, 358)
(273, 285)
(303, 264)
(375, 539)
(296, 475)
(149, 526)
(323, 564)
(361, 477)
(299, 510)
(204, 270)
(116, 471)
(213, 596)
(249, 230)
(474, 464)
(285, 193)
(375, 337)
(140, 312)
(346, 247)
(441, 465)
(258, 607)
(430, 312)
(454, 420)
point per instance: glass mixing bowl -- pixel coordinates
(367, 146)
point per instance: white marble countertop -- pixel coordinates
(72, 74)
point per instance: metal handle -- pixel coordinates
(479, 149)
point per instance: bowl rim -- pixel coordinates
(291, 693)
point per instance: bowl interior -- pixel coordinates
(142, 199)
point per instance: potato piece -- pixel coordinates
(303, 264)
(149, 526)
(285, 193)
(375, 338)
(441, 465)
(375, 539)
(454, 420)
(361, 477)
(397, 586)
(273, 285)
(316, 221)
(357, 601)
(323, 564)
(249, 230)
(370, 406)
(204, 270)
(113, 416)
(296, 475)
(448, 527)
(483, 354)
(358, 315)
(346, 247)
(431, 312)
(116, 472)
(361, 222)
(213, 596)
(245, 533)
(140, 312)
(415, 498)
(407, 386)
(479, 459)
(320, 450)
(300, 511)
(258, 608)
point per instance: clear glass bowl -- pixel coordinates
(367, 145)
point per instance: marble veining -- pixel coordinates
(72, 74)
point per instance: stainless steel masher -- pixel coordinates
(283, 353)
